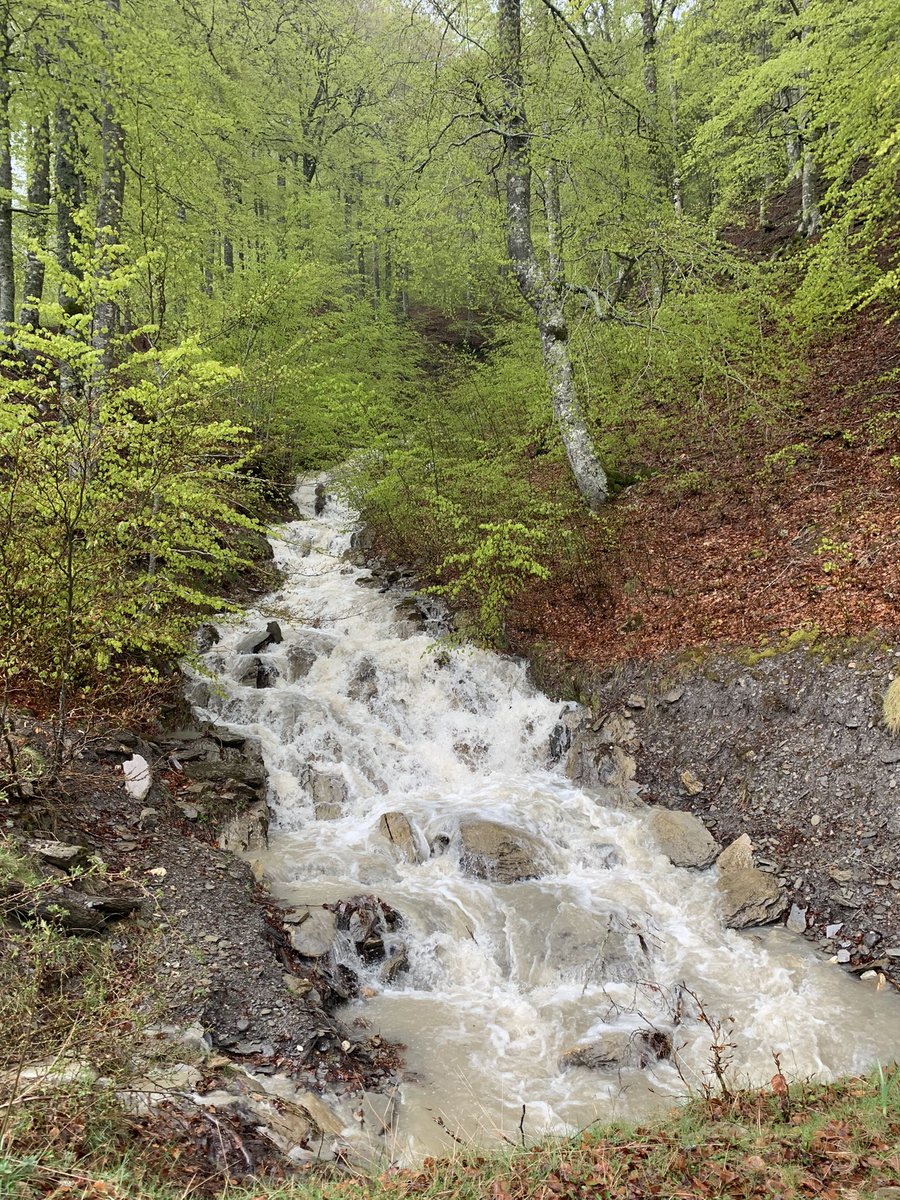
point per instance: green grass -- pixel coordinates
(830, 1141)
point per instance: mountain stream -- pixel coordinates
(503, 978)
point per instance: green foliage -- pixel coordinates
(492, 564)
(444, 454)
(115, 497)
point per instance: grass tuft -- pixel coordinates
(891, 707)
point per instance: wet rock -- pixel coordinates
(206, 637)
(640, 1048)
(328, 793)
(251, 642)
(266, 675)
(498, 853)
(236, 776)
(738, 856)
(300, 661)
(260, 639)
(597, 760)
(395, 965)
(247, 830)
(563, 732)
(362, 540)
(399, 832)
(321, 499)
(370, 924)
(364, 684)
(683, 838)
(751, 897)
(311, 931)
(325, 1117)
(379, 1112)
(289, 1126)
(595, 947)
(607, 856)
(61, 855)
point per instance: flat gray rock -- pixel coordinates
(683, 838)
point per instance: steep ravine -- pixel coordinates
(530, 942)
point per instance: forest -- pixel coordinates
(499, 262)
(568, 329)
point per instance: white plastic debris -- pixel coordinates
(137, 776)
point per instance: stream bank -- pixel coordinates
(789, 747)
(502, 910)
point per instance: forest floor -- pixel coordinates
(789, 524)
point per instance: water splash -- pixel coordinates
(366, 715)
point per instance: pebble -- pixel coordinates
(796, 921)
(843, 956)
(242, 1025)
(816, 820)
(833, 930)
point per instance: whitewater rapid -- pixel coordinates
(499, 986)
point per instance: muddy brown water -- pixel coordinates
(503, 979)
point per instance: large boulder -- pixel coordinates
(595, 947)
(598, 755)
(300, 661)
(399, 832)
(683, 838)
(327, 791)
(238, 777)
(247, 830)
(738, 856)
(498, 853)
(260, 639)
(206, 637)
(311, 930)
(640, 1048)
(364, 684)
(751, 897)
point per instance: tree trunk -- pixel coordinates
(69, 198)
(810, 216)
(544, 295)
(38, 222)
(648, 31)
(7, 266)
(110, 202)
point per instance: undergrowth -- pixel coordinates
(830, 1141)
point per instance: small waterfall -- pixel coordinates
(360, 714)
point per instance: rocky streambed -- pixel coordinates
(486, 879)
(409, 900)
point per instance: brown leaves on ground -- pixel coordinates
(742, 537)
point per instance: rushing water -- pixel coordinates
(503, 978)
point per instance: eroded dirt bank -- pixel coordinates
(789, 748)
